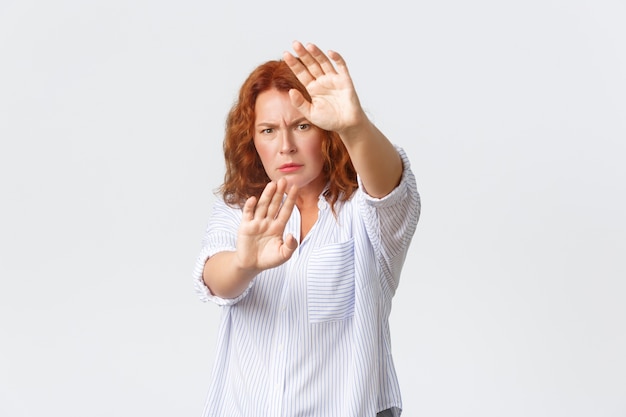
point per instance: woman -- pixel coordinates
(305, 249)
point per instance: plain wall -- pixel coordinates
(514, 117)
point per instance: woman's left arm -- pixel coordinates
(335, 106)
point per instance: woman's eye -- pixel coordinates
(304, 126)
(268, 130)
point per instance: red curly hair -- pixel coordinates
(245, 175)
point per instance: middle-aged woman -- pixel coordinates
(305, 248)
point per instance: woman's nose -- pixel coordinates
(287, 144)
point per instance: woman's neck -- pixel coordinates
(308, 207)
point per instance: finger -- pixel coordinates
(248, 209)
(340, 63)
(277, 198)
(298, 68)
(264, 200)
(321, 59)
(306, 55)
(299, 102)
(288, 248)
(288, 205)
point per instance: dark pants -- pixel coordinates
(385, 413)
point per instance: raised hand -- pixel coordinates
(335, 105)
(260, 243)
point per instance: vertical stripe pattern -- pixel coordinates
(311, 337)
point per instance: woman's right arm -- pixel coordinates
(260, 243)
(224, 278)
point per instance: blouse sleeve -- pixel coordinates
(391, 221)
(220, 236)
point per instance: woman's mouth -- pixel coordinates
(289, 167)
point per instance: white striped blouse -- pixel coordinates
(311, 337)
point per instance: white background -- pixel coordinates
(512, 301)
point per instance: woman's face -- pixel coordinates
(289, 146)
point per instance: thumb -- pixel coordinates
(289, 246)
(299, 102)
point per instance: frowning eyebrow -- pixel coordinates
(296, 122)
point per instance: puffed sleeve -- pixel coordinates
(220, 236)
(391, 222)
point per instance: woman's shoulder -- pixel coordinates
(223, 210)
